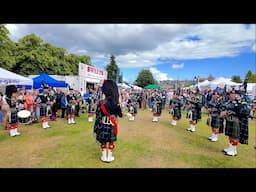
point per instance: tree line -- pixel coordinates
(31, 56)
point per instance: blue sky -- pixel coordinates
(169, 51)
(217, 67)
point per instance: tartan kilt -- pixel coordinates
(244, 131)
(177, 113)
(233, 127)
(105, 133)
(45, 110)
(13, 116)
(135, 110)
(159, 110)
(71, 109)
(221, 128)
(194, 115)
(216, 123)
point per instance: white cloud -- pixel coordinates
(142, 45)
(178, 66)
(158, 75)
(254, 47)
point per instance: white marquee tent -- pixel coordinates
(218, 82)
(10, 78)
(123, 85)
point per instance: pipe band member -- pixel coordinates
(194, 112)
(175, 109)
(157, 106)
(71, 107)
(216, 120)
(12, 114)
(45, 107)
(132, 107)
(236, 115)
(106, 126)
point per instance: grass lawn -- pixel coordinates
(140, 144)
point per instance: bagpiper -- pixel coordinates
(92, 101)
(132, 107)
(157, 106)
(71, 99)
(194, 111)
(236, 114)
(12, 114)
(45, 106)
(175, 109)
(214, 119)
(106, 126)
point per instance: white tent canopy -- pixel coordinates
(251, 88)
(10, 78)
(219, 82)
(204, 83)
(136, 87)
(123, 85)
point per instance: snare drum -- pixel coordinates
(24, 116)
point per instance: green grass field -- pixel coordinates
(140, 144)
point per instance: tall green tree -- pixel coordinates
(112, 69)
(251, 77)
(144, 78)
(7, 48)
(33, 56)
(236, 79)
(30, 58)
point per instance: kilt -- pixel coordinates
(13, 115)
(70, 109)
(177, 113)
(194, 115)
(221, 128)
(157, 109)
(243, 131)
(104, 132)
(215, 123)
(45, 110)
(232, 127)
(218, 123)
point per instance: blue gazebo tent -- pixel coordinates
(43, 77)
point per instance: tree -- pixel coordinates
(236, 79)
(7, 47)
(33, 56)
(251, 77)
(210, 77)
(144, 78)
(112, 69)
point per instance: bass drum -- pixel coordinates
(24, 116)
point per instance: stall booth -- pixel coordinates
(89, 77)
